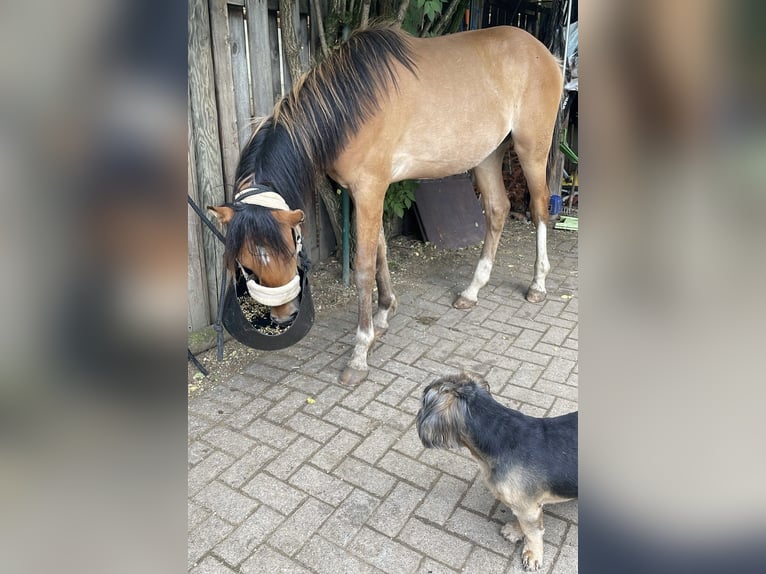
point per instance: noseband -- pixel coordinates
(264, 196)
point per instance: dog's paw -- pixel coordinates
(512, 532)
(531, 561)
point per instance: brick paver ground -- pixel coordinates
(341, 483)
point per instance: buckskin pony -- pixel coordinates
(385, 107)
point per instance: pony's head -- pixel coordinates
(264, 241)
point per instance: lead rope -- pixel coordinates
(218, 325)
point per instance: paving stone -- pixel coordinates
(395, 509)
(527, 339)
(543, 385)
(207, 470)
(562, 407)
(212, 411)
(286, 407)
(432, 567)
(450, 462)
(300, 526)
(228, 396)
(350, 420)
(384, 553)
(211, 565)
(203, 538)
(195, 514)
(364, 476)
(312, 427)
(324, 557)
(325, 400)
(442, 499)
(198, 425)
(479, 530)
(273, 492)
(271, 434)
(266, 559)
(244, 416)
(249, 535)
(376, 444)
(526, 375)
(409, 443)
(565, 510)
(291, 458)
(558, 369)
(246, 467)
(334, 451)
(387, 415)
(435, 543)
(349, 517)
(532, 410)
(228, 441)
(396, 391)
(530, 396)
(320, 485)
(529, 356)
(483, 561)
(225, 502)
(555, 336)
(197, 452)
(408, 469)
(358, 398)
(555, 528)
(479, 498)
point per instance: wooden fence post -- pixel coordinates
(207, 145)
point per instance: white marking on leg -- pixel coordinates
(363, 341)
(541, 263)
(381, 317)
(480, 279)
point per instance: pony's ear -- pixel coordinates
(291, 218)
(223, 214)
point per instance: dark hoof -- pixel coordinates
(353, 377)
(463, 303)
(535, 296)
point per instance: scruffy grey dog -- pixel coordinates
(526, 461)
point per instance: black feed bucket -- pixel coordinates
(247, 333)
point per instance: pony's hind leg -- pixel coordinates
(386, 297)
(489, 178)
(533, 157)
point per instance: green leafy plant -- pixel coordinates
(399, 196)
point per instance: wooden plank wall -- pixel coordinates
(237, 72)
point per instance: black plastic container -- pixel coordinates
(246, 333)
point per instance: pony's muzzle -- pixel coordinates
(288, 318)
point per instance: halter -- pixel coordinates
(264, 196)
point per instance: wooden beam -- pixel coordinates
(198, 316)
(260, 56)
(224, 87)
(239, 68)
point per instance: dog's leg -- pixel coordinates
(512, 532)
(531, 523)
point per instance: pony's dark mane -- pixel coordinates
(311, 126)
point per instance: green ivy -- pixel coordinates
(399, 196)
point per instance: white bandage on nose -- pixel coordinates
(274, 296)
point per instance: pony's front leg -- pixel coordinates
(369, 211)
(386, 298)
